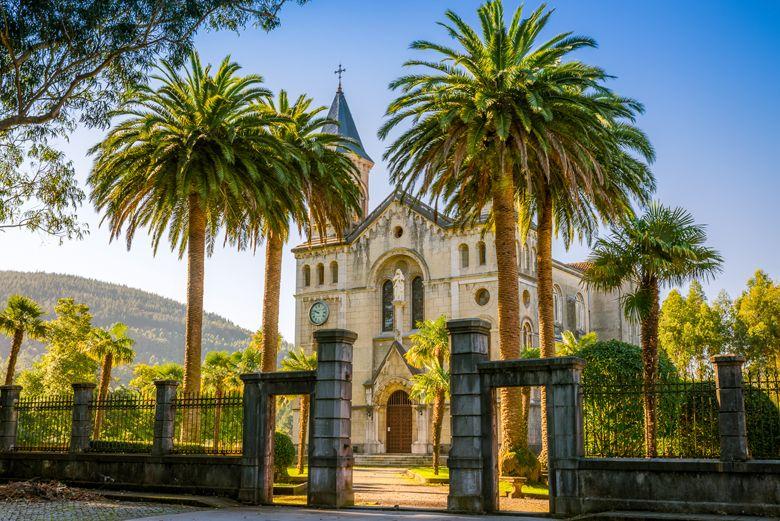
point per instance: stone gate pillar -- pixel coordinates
(469, 345)
(330, 449)
(164, 416)
(81, 428)
(9, 395)
(731, 407)
(565, 440)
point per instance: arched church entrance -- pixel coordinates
(399, 423)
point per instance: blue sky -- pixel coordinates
(707, 73)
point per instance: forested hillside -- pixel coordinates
(156, 323)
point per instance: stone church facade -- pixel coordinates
(404, 263)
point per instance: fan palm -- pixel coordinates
(429, 351)
(21, 317)
(184, 155)
(325, 177)
(502, 122)
(300, 361)
(109, 347)
(662, 247)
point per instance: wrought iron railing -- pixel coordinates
(761, 391)
(123, 422)
(686, 419)
(208, 424)
(44, 424)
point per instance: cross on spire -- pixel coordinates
(339, 71)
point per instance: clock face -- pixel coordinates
(318, 313)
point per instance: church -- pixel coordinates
(404, 263)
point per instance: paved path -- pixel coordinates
(84, 510)
(305, 514)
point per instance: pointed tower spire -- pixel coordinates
(345, 126)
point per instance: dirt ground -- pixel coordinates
(389, 487)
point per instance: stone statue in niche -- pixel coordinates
(398, 286)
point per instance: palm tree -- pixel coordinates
(662, 247)
(184, 155)
(328, 181)
(570, 344)
(221, 373)
(430, 351)
(21, 316)
(502, 122)
(109, 347)
(300, 361)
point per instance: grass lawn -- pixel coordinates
(503, 487)
(293, 471)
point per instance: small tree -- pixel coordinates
(220, 374)
(109, 347)
(20, 318)
(430, 351)
(300, 361)
(757, 322)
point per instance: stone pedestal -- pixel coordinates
(469, 345)
(81, 428)
(164, 416)
(731, 407)
(422, 445)
(331, 462)
(9, 395)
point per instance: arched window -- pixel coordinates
(557, 304)
(320, 274)
(533, 260)
(418, 301)
(387, 306)
(527, 258)
(464, 256)
(579, 312)
(482, 253)
(528, 335)
(306, 275)
(334, 272)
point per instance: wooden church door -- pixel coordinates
(399, 423)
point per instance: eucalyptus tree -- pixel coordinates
(429, 351)
(180, 157)
(301, 361)
(109, 347)
(660, 248)
(21, 317)
(318, 171)
(500, 122)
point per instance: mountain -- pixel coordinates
(155, 323)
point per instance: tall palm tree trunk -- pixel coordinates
(544, 233)
(508, 307)
(649, 334)
(273, 282)
(438, 420)
(105, 381)
(196, 255)
(16, 345)
(303, 424)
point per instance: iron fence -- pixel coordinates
(44, 424)
(208, 424)
(123, 422)
(761, 391)
(687, 419)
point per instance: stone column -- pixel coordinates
(9, 395)
(249, 451)
(81, 428)
(331, 461)
(469, 345)
(565, 440)
(164, 416)
(266, 423)
(731, 407)
(422, 445)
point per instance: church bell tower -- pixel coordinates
(339, 111)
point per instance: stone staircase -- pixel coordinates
(395, 460)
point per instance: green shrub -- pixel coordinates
(284, 454)
(762, 418)
(613, 406)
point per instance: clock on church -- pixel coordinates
(318, 313)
